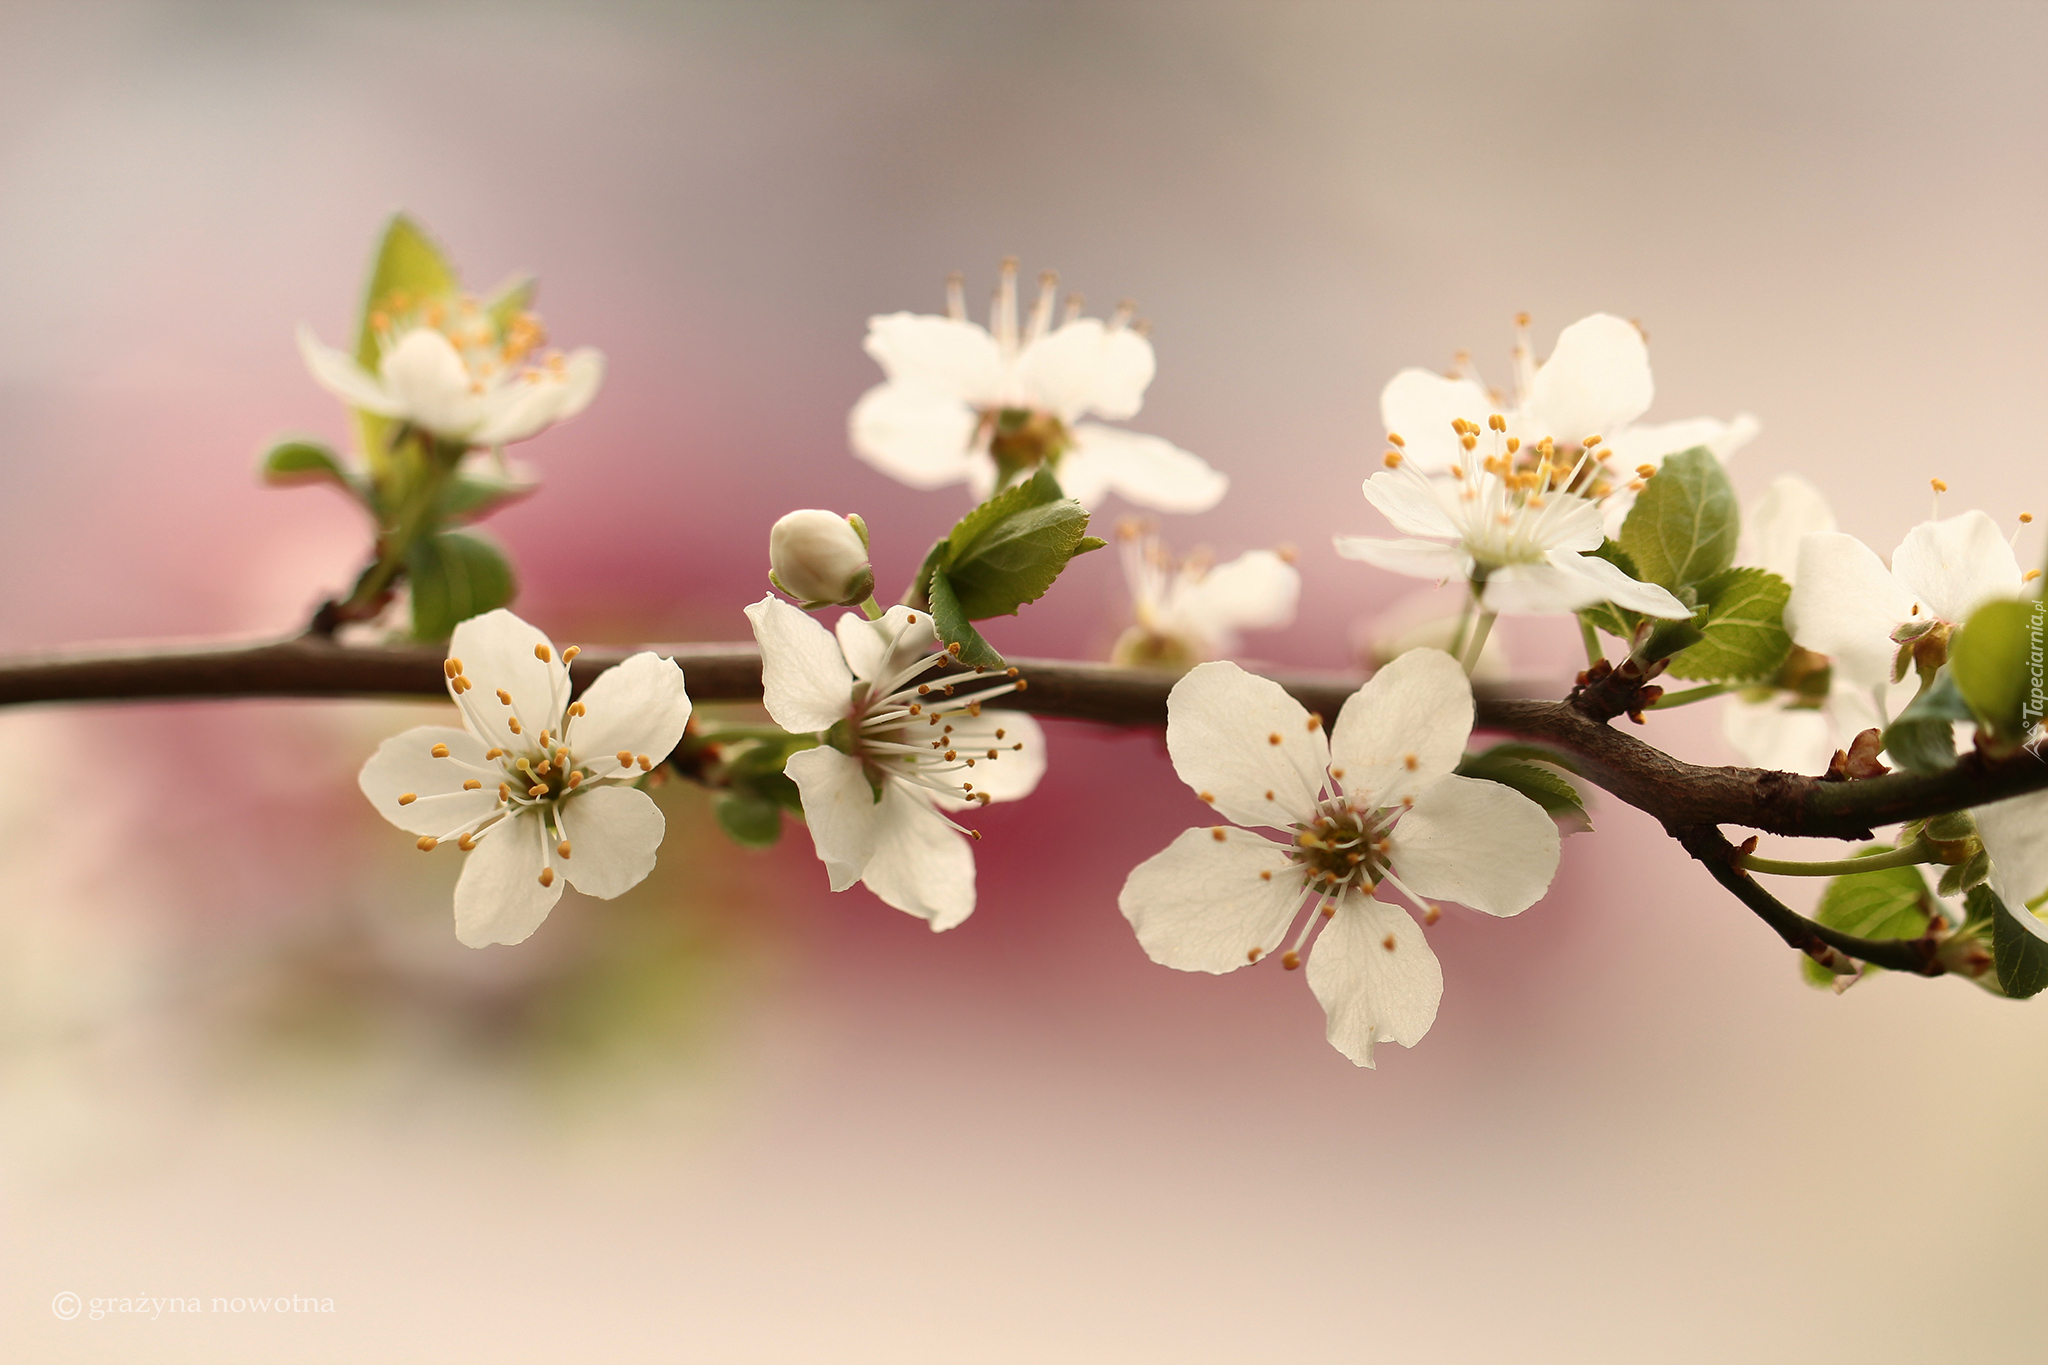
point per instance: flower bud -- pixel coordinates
(820, 557)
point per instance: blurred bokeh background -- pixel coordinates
(731, 1117)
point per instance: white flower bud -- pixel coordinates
(820, 557)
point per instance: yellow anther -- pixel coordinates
(1646, 470)
(1273, 738)
(561, 756)
(466, 843)
(427, 843)
(1266, 875)
(1207, 798)
(1394, 438)
(547, 876)
(1514, 444)
(448, 668)
(576, 778)
(456, 663)
(1330, 911)
(537, 789)
(1392, 459)
(571, 652)
(504, 791)
(625, 758)
(1315, 721)
(1468, 441)
(473, 784)
(1290, 959)
(562, 849)
(1409, 763)
(513, 725)
(1500, 423)
(439, 751)
(1253, 955)
(1218, 835)
(1590, 442)
(646, 763)
(576, 708)
(1432, 915)
(407, 798)
(493, 753)
(1458, 471)
(544, 769)
(1937, 485)
(504, 696)
(2030, 575)
(545, 655)
(1388, 943)
(911, 618)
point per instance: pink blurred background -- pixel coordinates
(731, 1117)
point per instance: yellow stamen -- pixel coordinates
(407, 798)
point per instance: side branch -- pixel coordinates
(1681, 795)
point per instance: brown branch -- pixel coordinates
(1680, 795)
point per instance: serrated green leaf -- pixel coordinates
(1009, 550)
(1996, 660)
(455, 575)
(1508, 765)
(1743, 635)
(1683, 527)
(2021, 956)
(302, 461)
(753, 820)
(954, 627)
(407, 260)
(1923, 738)
(1890, 903)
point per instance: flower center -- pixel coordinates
(494, 345)
(1021, 439)
(1342, 847)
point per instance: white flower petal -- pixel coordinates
(499, 898)
(425, 374)
(1014, 773)
(521, 407)
(1373, 993)
(1256, 591)
(1404, 729)
(1597, 380)
(500, 652)
(1610, 584)
(1143, 470)
(946, 357)
(1956, 565)
(916, 436)
(338, 373)
(637, 706)
(839, 807)
(1245, 746)
(1790, 510)
(613, 835)
(1846, 604)
(1412, 502)
(1205, 904)
(1772, 735)
(1415, 558)
(2015, 833)
(1419, 406)
(1650, 443)
(1477, 843)
(921, 865)
(805, 683)
(404, 765)
(1084, 367)
(867, 644)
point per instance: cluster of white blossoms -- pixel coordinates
(535, 788)
(1372, 808)
(1191, 611)
(448, 368)
(987, 405)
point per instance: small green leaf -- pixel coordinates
(1923, 738)
(1996, 660)
(2021, 955)
(954, 627)
(753, 820)
(290, 463)
(406, 261)
(472, 494)
(1505, 764)
(1890, 903)
(1009, 550)
(1683, 528)
(455, 575)
(1743, 636)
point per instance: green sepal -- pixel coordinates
(1890, 903)
(955, 629)
(2020, 955)
(455, 575)
(302, 460)
(1923, 738)
(1992, 660)
(1742, 628)
(1683, 527)
(1509, 765)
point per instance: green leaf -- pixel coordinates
(455, 575)
(291, 463)
(409, 262)
(1548, 788)
(1619, 622)
(1923, 738)
(2021, 956)
(954, 628)
(1683, 528)
(1743, 636)
(1009, 550)
(1996, 660)
(752, 819)
(473, 494)
(1890, 903)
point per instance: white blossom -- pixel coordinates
(1595, 383)
(2015, 835)
(1420, 621)
(1190, 611)
(1507, 522)
(820, 557)
(903, 740)
(973, 404)
(1374, 805)
(533, 784)
(449, 369)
